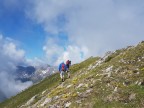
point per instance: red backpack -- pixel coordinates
(63, 67)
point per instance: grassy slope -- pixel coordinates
(128, 68)
(129, 72)
(48, 83)
(30, 92)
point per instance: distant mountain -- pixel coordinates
(35, 74)
(26, 70)
(31, 73)
(25, 73)
(42, 72)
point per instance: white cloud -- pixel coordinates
(52, 50)
(9, 86)
(10, 56)
(36, 62)
(73, 53)
(98, 25)
(11, 51)
(55, 53)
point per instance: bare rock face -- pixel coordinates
(47, 100)
(67, 105)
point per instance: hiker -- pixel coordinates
(62, 69)
(68, 64)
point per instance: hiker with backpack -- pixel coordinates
(68, 64)
(62, 69)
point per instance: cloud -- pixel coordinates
(10, 56)
(9, 86)
(57, 53)
(97, 25)
(36, 62)
(12, 52)
(73, 53)
(52, 50)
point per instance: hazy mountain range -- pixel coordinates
(31, 73)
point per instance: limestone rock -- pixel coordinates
(47, 100)
(132, 96)
(67, 105)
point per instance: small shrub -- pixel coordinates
(142, 69)
(108, 58)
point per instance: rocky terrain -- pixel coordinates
(113, 81)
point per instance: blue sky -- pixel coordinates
(16, 25)
(58, 30)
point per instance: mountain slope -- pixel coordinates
(114, 81)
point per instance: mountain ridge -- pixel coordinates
(115, 80)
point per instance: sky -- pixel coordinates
(54, 30)
(51, 31)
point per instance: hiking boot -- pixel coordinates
(62, 80)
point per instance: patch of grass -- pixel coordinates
(48, 83)
(84, 64)
(114, 104)
(142, 69)
(128, 67)
(108, 58)
(23, 97)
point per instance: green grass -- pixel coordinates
(23, 97)
(48, 83)
(114, 104)
(100, 89)
(84, 64)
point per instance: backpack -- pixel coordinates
(63, 67)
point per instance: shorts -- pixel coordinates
(62, 74)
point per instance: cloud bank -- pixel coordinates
(10, 56)
(94, 25)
